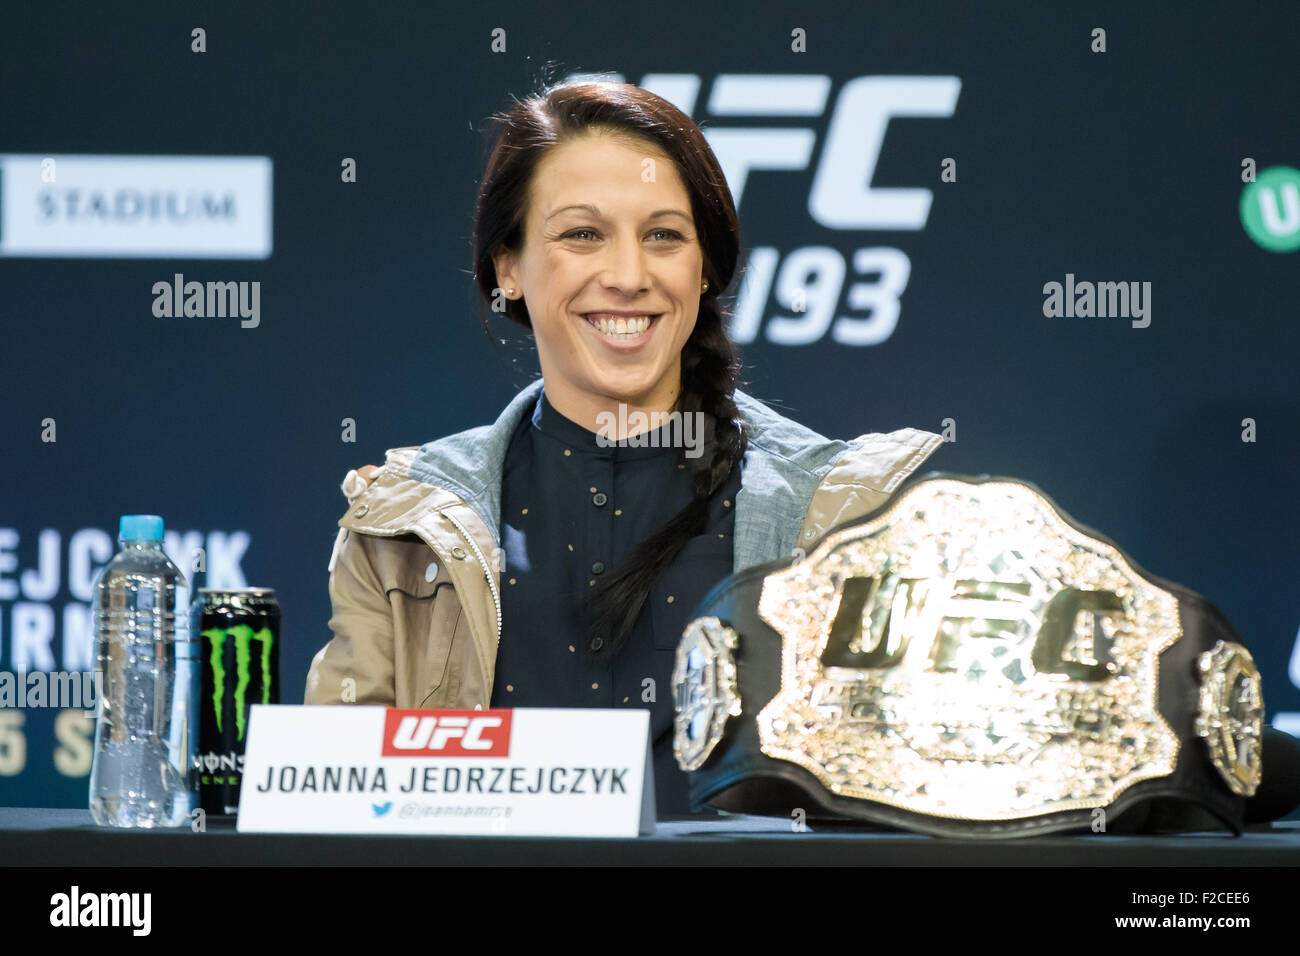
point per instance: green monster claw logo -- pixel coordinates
(244, 637)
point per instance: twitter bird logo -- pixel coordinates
(381, 808)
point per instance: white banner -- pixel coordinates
(168, 207)
(527, 772)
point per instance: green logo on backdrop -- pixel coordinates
(1270, 209)
(243, 636)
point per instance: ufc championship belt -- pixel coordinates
(968, 661)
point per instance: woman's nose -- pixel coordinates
(625, 266)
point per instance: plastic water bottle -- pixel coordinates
(144, 733)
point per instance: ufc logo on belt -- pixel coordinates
(876, 619)
(447, 733)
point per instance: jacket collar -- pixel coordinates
(783, 465)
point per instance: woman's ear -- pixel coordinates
(504, 261)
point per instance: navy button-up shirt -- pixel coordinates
(572, 510)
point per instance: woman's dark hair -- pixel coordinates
(710, 361)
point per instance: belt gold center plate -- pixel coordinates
(970, 654)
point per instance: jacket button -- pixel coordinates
(458, 552)
(362, 511)
(599, 499)
(431, 572)
(597, 643)
(598, 567)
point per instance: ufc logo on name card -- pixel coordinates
(447, 733)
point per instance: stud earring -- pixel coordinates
(704, 288)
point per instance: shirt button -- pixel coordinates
(599, 499)
(431, 572)
(598, 567)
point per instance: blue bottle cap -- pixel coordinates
(148, 527)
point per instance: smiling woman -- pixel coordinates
(611, 291)
(540, 561)
(625, 222)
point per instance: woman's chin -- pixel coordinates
(632, 390)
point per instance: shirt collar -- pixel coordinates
(551, 423)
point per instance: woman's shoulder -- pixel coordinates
(462, 464)
(799, 446)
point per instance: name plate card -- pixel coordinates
(576, 772)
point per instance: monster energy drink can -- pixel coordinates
(238, 636)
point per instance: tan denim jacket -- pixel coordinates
(414, 579)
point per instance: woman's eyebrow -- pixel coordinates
(588, 208)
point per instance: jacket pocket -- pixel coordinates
(426, 611)
(448, 629)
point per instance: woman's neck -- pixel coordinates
(610, 416)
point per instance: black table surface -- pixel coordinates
(63, 837)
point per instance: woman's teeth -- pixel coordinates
(620, 325)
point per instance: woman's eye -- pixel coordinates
(670, 233)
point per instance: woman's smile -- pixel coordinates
(622, 333)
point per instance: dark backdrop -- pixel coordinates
(1123, 165)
